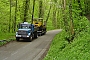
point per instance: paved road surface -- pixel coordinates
(24, 50)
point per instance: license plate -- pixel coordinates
(24, 36)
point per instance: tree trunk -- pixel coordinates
(26, 8)
(54, 16)
(41, 12)
(71, 22)
(33, 11)
(15, 17)
(64, 14)
(48, 13)
(10, 18)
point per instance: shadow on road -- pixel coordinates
(25, 40)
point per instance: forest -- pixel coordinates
(68, 15)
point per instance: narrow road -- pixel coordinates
(24, 50)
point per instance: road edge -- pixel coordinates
(44, 52)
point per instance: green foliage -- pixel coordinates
(49, 25)
(5, 15)
(58, 44)
(81, 23)
(79, 49)
(6, 35)
(60, 48)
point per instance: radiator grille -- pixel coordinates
(21, 32)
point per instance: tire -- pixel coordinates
(40, 34)
(30, 38)
(17, 39)
(35, 35)
(44, 32)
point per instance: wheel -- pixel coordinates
(17, 39)
(44, 33)
(39, 34)
(35, 35)
(30, 38)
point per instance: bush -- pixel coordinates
(79, 49)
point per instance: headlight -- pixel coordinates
(29, 34)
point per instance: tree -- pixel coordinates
(15, 17)
(33, 10)
(64, 14)
(71, 22)
(48, 13)
(40, 9)
(54, 18)
(26, 8)
(10, 17)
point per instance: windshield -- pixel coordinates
(24, 26)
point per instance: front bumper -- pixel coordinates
(22, 36)
(39, 31)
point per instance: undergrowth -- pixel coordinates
(6, 37)
(78, 49)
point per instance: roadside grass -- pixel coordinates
(79, 49)
(6, 37)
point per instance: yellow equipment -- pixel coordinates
(39, 23)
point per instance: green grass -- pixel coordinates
(6, 36)
(79, 49)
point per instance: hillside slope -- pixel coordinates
(79, 49)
